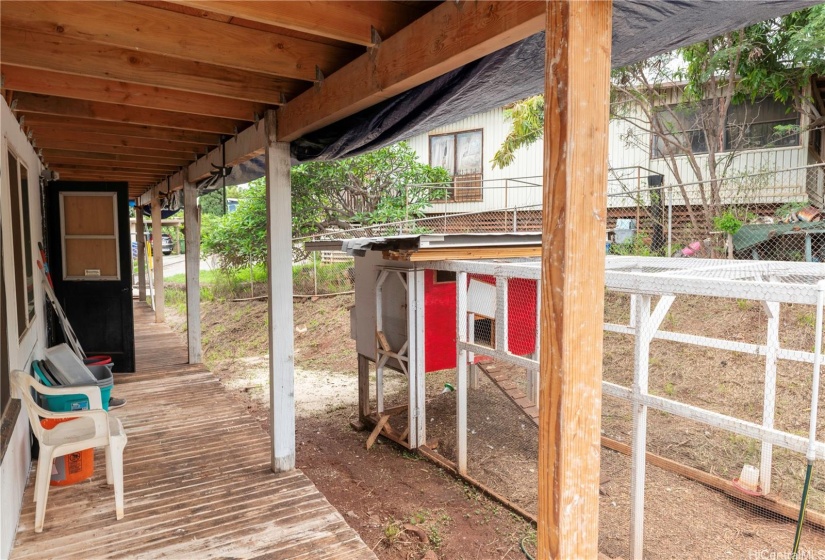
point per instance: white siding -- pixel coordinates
(15, 467)
(630, 164)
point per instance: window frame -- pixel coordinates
(793, 116)
(21, 244)
(455, 179)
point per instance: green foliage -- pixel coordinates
(632, 247)
(373, 188)
(527, 118)
(727, 222)
(238, 239)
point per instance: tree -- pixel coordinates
(774, 59)
(384, 186)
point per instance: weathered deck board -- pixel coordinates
(197, 479)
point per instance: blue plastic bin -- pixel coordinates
(68, 403)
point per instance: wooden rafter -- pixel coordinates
(83, 58)
(351, 22)
(37, 122)
(160, 155)
(45, 82)
(68, 134)
(104, 169)
(145, 29)
(68, 155)
(63, 106)
(444, 39)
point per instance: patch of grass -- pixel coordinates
(744, 304)
(393, 531)
(807, 319)
(670, 389)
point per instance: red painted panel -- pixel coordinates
(440, 317)
(439, 323)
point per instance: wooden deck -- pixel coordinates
(197, 479)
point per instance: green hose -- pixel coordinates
(524, 550)
(802, 507)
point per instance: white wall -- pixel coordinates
(15, 467)
(622, 154)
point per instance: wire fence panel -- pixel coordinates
(709, 397)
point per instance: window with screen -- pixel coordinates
(461, 154)
(23, 271)
(765, 123)
(90, 240)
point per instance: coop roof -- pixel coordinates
(432, 247)
(787, 282)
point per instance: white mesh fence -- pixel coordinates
(709, 415)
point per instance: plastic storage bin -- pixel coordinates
(67, 403)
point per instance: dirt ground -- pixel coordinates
(400, 505)
(403, 506)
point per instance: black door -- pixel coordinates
(91, 267)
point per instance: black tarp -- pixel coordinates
(641, 29)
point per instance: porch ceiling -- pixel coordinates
(135, 91)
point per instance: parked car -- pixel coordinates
(166, 243)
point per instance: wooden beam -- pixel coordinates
(91, 176)
(279, 290)
(141, 255)
(46, 82)
(444, 39)
(146, 29)
(577, 93)
(157, 259)
(136, 170)
(192, 237)
(160, 155)
(67, 155)
(773, 504)
(44, 135)
(37, 122)
(351, 22)
(363, 389)
(245, 146)
(61, 54)
(65, 107)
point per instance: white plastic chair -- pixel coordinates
(89, 428)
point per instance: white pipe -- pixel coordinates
(820, 300)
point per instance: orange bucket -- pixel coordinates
(71, 468)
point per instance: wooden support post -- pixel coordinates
(363, 388)
(769, 398)
(501, 314)
(577, 96)
(140, 237)
(279, 286)
(641, 361)
(157, 257)
(192, 257)
(419, 365)
(415, 353)
(379, 325)
(461, 373)
(471, 357)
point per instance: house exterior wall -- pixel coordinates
(17, 460)
(630, 163)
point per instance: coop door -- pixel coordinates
(393, 322)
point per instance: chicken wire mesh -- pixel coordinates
(761, 214)
(711, 364)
